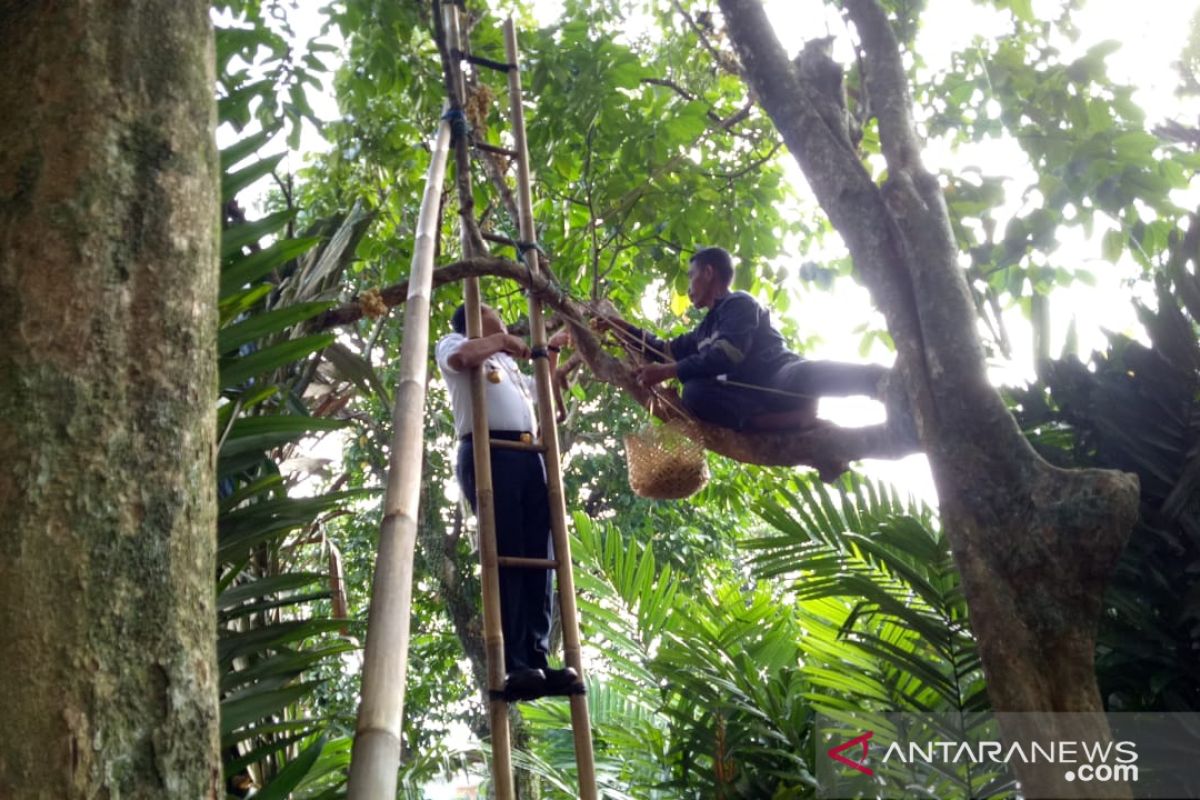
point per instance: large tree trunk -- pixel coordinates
(1035, 544)
(108, 280)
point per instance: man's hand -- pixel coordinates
(514, 345)
(602, 324)
(606, 317)
(561, 339)
(652, 374)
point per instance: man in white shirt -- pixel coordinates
(522, 506)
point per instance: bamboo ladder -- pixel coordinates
(376, 753)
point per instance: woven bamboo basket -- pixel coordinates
(664, 463)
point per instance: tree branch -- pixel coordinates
(719, 57)
(841, 184)
(887, 85)
(826, 447)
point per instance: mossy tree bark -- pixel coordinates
(1035, 544)
(108, 278)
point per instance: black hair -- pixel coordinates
(459, 321)
(719, 259)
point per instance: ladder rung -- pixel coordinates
(491, 148)
(507, 444)
(480, 61)
(492, 237)
(527, 563)
(516, 697)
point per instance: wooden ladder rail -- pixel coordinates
(548, 446)
(493, 635)
(376, 755)
(547, 424)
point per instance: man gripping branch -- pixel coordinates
(736, 370)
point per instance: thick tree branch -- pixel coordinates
(826, 447)
(887, 85)
(917, 207)
(841, 184)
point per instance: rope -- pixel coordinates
(458, 123)
(624, 338)
(628, 341)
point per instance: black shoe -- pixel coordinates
(525, 684)
(563, 681)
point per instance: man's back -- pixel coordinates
(741, 330)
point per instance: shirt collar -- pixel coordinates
(719, 300)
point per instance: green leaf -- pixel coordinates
(238, 303)
(268, 431)
(241, 270)
(298, 600)
(1135, 146)
(1023, 10)
(234, 108)
(240, 529)
(234, 182)
(1103, 49)
(234, 238)
(627, 74)
(1112, 245)
(266, 586)
(273, 745)
(242, 148)
(248, 448)
(267, 486)
(306, 726)
(286, 663)
(256, 640)
(253, 707)
(235, 371)
(256, 327)
(289, 777)
(355, 368)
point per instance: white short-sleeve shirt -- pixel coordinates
(509, 402)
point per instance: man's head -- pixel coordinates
(710, 272)
(491, 321)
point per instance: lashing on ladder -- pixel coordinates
(376, 750)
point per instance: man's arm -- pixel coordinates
(561, 339)
(473, 352)
(642, 341)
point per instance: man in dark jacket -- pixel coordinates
(735, 369)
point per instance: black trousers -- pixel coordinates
(522, 529)
(794, 387)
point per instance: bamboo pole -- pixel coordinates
(485, 511)
(580, 720)
(376, 755)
